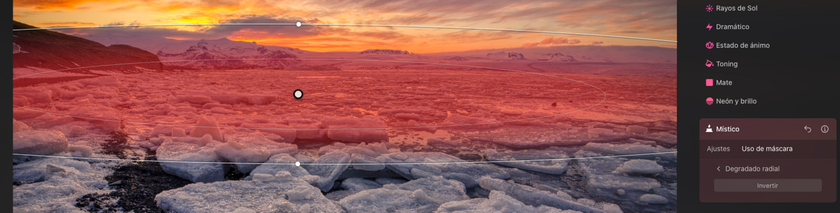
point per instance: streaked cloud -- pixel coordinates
(651, 18)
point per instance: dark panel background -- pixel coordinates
(796, 78)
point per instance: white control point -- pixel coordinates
(298, 94)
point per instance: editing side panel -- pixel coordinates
(757, 104)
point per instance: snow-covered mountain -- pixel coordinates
(54, 50)
(506, 55)
(578, 53)
(224, 53)
(386, 52)
(556, 57)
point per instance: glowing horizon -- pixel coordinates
(648, 19)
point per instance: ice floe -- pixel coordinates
(272, 195)
(328, 167)
(42, 142)
(421, 195)
(640, 166)
(547, 161)
(498, 202)
(199, 161)
(64, 181)
(532, 196)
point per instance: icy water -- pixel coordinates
(361, 140)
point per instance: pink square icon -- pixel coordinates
(710, 82)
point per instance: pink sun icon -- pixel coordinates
(709, 8)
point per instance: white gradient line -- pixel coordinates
(358, 164)
(310, 59)
(349, 25)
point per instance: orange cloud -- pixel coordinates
(67, 23)
(653, 18)
(552, 41)
(53, 4)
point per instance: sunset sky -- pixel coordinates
(648, 19)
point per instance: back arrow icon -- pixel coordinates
(807, 128)
(718, 168)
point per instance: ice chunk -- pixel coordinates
(385, 200)
(41, 142)
(222, 110)
(206, 126)
(443, 143)
(601, 180)
(36, 95)
(402, 163)
(214, 105)
(48, 121)
(426, 164)
(202, 163)
(438, 187)
(609, 207)
(244, 157)
(18, 126)
(619, 149)
(608, 184)
(243, 210)
(277, 163)
(359, 184)
(308, 131)
(636, 129)
(161, 130)
(195, 99)
(532, 196)
(20, 101)
(21, 114)
(421, 195)
(498, 202)
(287, 133)
(471, 122)
(258, 196)
(328, 167)
(662, 137)
(546, 161)
(564, 195)
(105, 81)
(407, 116)
(259, 141)
(77, 131)
(80, 151)
(599, 131)
(340, 194)
(303, 193)
(365, 162)
(178, 132)
(369, 128)
(653, 199)
(63, 184)
(103, 117)
(36, 170)
(260, 99)
(640, 166)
